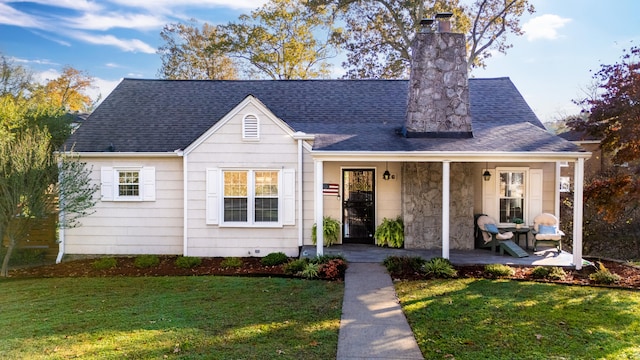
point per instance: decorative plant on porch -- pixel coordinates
(331, 231)
(390, 233)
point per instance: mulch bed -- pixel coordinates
(630, 275)
(126, 267)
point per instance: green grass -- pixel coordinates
(502, 319)
(169, 317)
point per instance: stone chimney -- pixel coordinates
(438, 103)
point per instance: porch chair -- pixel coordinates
(490, 233)
(545, 230)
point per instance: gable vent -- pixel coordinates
(250, 129)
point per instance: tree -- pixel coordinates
(615, 119)
(190, 53)
(29, 187)
(379, 33)
(282, 40)
(25, 167)
(67, 90)
(15, 80)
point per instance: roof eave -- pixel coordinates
(173, 154)
(414, 156)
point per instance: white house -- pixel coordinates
(245, 168)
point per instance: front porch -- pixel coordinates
(358, 253)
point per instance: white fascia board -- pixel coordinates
(449, 156)
(121, 154)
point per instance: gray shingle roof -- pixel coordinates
(346, 115)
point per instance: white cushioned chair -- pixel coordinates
(546, 230)
(491, 234)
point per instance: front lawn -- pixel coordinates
(502, 319)
(169, 317)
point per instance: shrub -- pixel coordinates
(188, 262)
(390, 233)
(331, 231)
(333, 269)
(24, 256)
(146, 261)
(310, 271)
(104, 263)
(326, 258)
(438, 267)
(498, 270)
(403, 264)
(604, 276)
(274, 259)
(295, 267)
(556, 273)
(540, 272)
(231, 262)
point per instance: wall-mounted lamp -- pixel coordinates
(486, 175)
(386, 175)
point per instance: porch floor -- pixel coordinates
(358, 253)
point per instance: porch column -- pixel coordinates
(319, 207)
(578, 207)
(446, 184)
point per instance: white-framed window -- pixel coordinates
(514, 192)
(127, 183)
(511, 194)
(250, 197)
(250, 128)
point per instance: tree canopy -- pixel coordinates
(282, 40)
(191, 53)
(615, 119)
(379, 33)
(34, 121)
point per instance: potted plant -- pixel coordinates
(331, 231)
(518, 222)
(390, 233)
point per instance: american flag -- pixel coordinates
(330, 189)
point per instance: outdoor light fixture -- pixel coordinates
(386, 175)
(486, 175)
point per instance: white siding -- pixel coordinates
(225, 148)
(133, 227)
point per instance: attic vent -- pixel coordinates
(250, 130)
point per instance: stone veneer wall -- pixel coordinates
(422, 206)
(438, 85)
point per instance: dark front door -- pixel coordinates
(358, 206)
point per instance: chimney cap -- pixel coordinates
(425, 25)
(444, 15)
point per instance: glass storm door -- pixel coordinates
(358, 206)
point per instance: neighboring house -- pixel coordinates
(598, 161)
(245, 168)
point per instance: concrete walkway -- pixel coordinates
(373, 325)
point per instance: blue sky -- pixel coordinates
(552, 64)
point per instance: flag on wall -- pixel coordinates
(330, 189)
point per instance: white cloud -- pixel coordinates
(544, 27)
(135, 75)
(169, 4)
(81, 5)
(102, 89)
(11, 16)
(51, 38)
(113, 20)
(112, 65)
(43, 77)
(130, 45)
(34, 61)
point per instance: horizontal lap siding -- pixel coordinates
(132, 227)
(225, 148)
